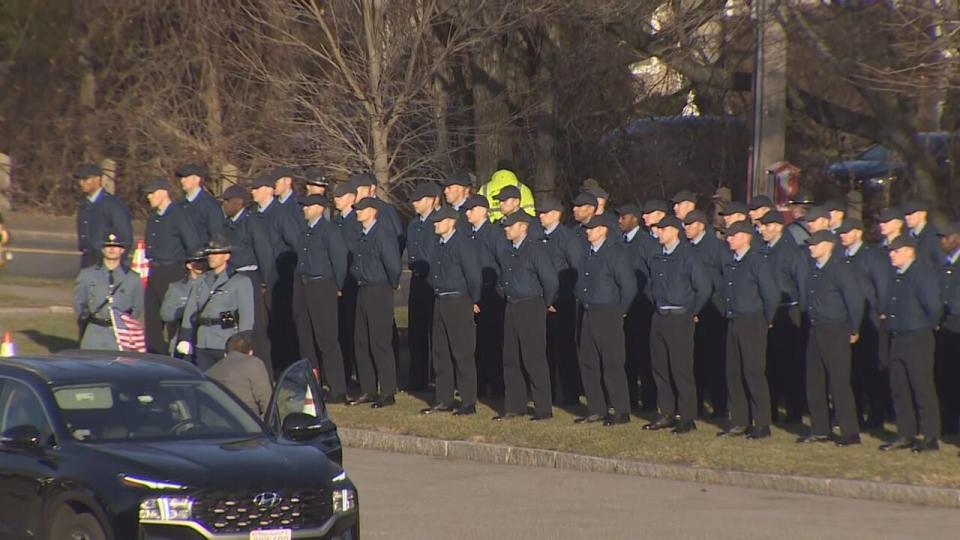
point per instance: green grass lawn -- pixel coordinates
(41, 334)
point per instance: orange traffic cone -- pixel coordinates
(141, 264)
(7, 347)
(309, 406)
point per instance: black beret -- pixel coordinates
(655, 205)
(264, 179)
(849, 224)
(904, 240)
(458, 177)
(815, 213)
(86, 170)
(914, 206)
(366, 202)
(835, 205)
(585, 198)
(631, 209)
(742, 226)
(598, 221)
(281, 172)
(343, 188)
(365, 179)
(516, 217)
(760, 201)
(316, 176)
(218, 244)
(734, 207)
(444, 213)
(772, 217)
(308, 200)
(670, 221)
(548, 204)
(425, 189)
(684, 196)
(890, 214)
(508, 192)
(474, 201)
(821, 236)
(111, 239)
(190, 169)
(156, 184)
(695, 216)
(235, 192)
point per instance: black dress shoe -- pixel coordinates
(465, 411)
(759, 432)
(540, 417)
(814, 439)
(925, 445)
(438, 408)
(364, 398)
(661, 423)
(616, 419)
(384, 401)
(735, 431)
(589, 419)
(686, 426)
(849, 440)
(901, 443)
(506, 416)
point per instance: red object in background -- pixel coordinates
(141, 264)
(786, 181)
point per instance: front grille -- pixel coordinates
(236, 512)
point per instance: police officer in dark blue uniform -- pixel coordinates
(345, 219)
(928, 242)
(99, 212)
(529, 283)
(679, 288)
(421, 244)
(456, 190)
(948, 336)
(509, 198)
(606, 285)
(565, 250)
(285, 192)
(834, 304)
(376, 267)
(198, 204)
(912, 309)
(457, 282)
(170, 238)
(486, 238)
(750, 296)
(318, 280)
(366, 186)
(635, 325)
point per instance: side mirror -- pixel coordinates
(24, 437)
(299, 426)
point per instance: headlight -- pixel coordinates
(166, 509)
(344, 500)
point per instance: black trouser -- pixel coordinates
(948, 373)
(420, 320)
(828, 361)
(911, 382)
(161, 276)
(453, 343)
(282, 329)
(708, 363)
(636, 330)
(562, 352)
(489, 351)
(206, 358)
(671, 359)
(261, 341)
(602, 355)
(871, 389)
(315, 310)
(347, 304)
(747, 391)
(372, 340)
(785, 357)
(524, 339)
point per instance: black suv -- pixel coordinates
(136, 446)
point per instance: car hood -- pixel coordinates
(862, 170)
(222, 463)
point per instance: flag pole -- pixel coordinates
(113, 323)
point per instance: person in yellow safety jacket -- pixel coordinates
(500, 180)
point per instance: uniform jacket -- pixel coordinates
(90, 293)
(455, 268)
(170, 237)
(323, 253)
(527, 271)
(749, 286)
(679, 279)
(834, 294)
(606, 278)
(790, 265)
(950, 293)
(205, 213)
(106, 213)
(421, 245)
(376, 258)
(913, 299)
(872, 270)
(212, 295)
(488, 239)
(565, 250)
(251, 245)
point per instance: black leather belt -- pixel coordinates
(204, 321)
(100, 322)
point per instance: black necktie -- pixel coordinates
(110, 280)
(626, 238)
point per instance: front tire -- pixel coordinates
(69, 525)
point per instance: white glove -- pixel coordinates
(184, 348)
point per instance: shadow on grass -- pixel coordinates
(51, 342)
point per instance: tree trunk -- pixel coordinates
(547, 167)
(379, 135)
(493, 139)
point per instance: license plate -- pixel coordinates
(272, 534)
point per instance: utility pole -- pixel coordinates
(769, 96)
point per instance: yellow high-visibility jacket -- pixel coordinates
(500, 180)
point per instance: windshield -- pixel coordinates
(152, 410)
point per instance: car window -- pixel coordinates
(298, 391)
(156, 410)
(875, 153)
(20, 406)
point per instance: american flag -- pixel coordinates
(130, 335)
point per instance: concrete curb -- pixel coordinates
(510, 455)
(14, 311)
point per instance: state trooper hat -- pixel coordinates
(190, 169)
(444, 213)
(914, 206)
(235, 192)
(655, 205)
(309, 200)
(549, 204)
(760, 201)
(684, 196)
(111, 239)
(670, 221)
(741, 226)
(197, 256)
(585, 198)
(262, 180)
(821, 236)
(474, 201)
(890, 214)
(458, 177)
(316, 176)
(87, 170)
(343, 188)
(508, 192)
(367, 202)
(364, 179)
(902, 241)
(630, 209)
(772, 217)
(156, 184)
(849, 224)
(735, 207)
(218, 244)
(695, 216)
(815, 213)
(423, 190)
(949, 229)
(516, 217)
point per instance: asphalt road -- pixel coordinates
(405, 496)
